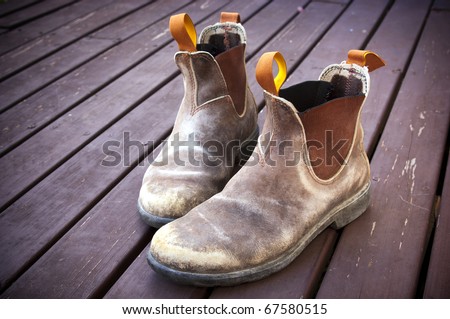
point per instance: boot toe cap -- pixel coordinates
(171, 201)
(171, 248)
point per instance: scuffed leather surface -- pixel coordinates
(206, 113)
(266, 208)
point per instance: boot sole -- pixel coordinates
(340, 217)
(246, 151)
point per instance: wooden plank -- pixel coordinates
(361, 17)
(150, 285)
(86, 181)
(437, 284)
(29, 53)
(7, 7)
(45, 24)
(25, 83)
(33, 12)
(380, 254)
(395, 45)
(259, 33)
(441, 5)
(115, 217)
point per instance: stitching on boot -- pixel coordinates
(193, 82)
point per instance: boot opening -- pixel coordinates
(307, 95)
(221, 37)
(329, 110)
(337, 81)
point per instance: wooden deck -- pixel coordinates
(76, 74)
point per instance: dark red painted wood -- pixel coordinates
(47, 23)
(438, 274)
(32, 12)
(33, 51)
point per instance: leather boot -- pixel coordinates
(215, 127)
(308, 171)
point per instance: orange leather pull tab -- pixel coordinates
(365, 58)
(230, 17)
(264, 72)
(183, 31)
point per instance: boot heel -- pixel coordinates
(353, 210)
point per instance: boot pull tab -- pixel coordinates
(183, 31)
(230, 17)
(365, 58)
(264, 72)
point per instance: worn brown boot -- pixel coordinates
(215, 126)
(308, 171)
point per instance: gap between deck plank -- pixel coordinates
(43, 25)
(24, 83)
(437, 284)
(29, 53)
(13, 6)
(33, 12)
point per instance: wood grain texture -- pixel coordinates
(438, 274)
(32, 12)
(11, 6)
(47, 23)
(396, 45)
(33, 51)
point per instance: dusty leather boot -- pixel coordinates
(215, 125)
(289, 191)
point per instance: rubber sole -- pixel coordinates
(246, 150)
(341, 216)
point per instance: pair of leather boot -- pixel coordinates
(225, 225)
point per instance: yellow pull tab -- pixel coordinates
(230, 17)
(183, 31)
(264, 73)
(365, 58)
